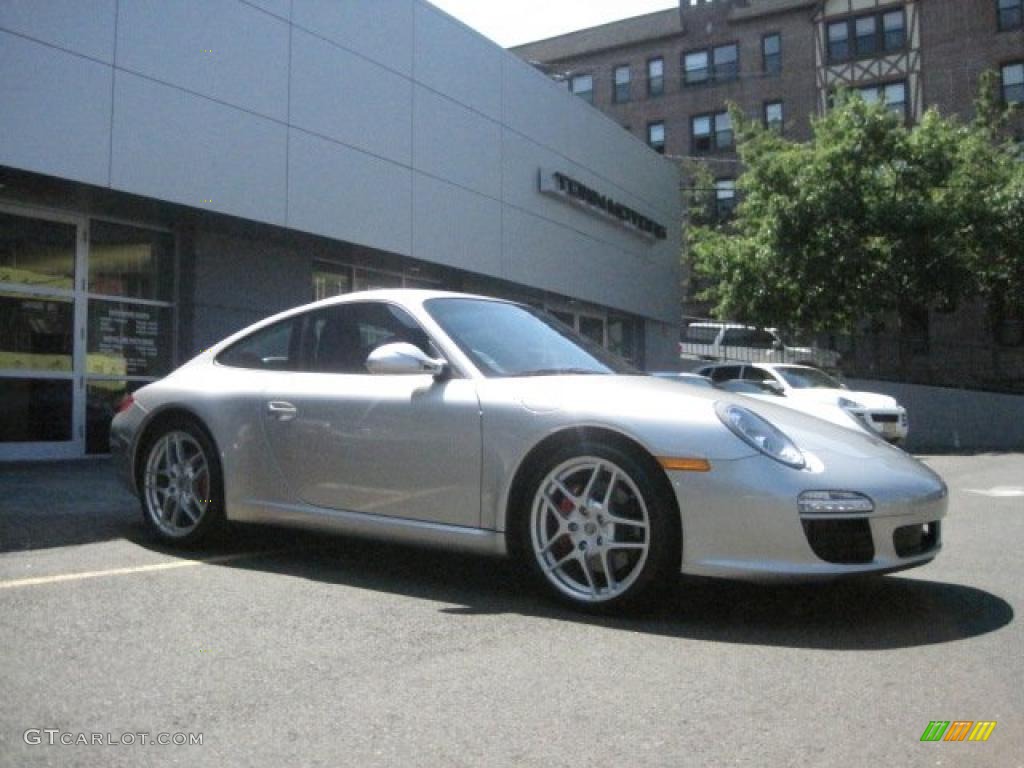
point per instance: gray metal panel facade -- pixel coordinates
(67, 24)
(174, 145)
(384, 123)
(220, 49)
(54, 111)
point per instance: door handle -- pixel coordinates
(281, 410)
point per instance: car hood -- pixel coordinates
(833, 396)
(668, 418)
(827, 411)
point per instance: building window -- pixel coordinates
(892, 95)
(695, 68)
(771, 53)
(1011, 14)
(1013, 83)
(620, 92)
(711, 133)
(655, 76)
(871, 35)
(726, 62)
(773, 115)
(720, 64)
(894, 33)
(725, 198)
(723, 131)
(656, 136)
(583, 86)
(701, 131)
(838, 41)
(866, 36)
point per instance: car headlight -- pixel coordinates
(760, 434)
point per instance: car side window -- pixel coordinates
(736, 337)
(273, 348)
(725, 373)
(700, 334)
(340, 338)
(761, 340)
(756, 374)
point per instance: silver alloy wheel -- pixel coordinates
(590, 529)
(177, 484)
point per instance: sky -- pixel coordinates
(513, 22)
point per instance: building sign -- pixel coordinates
(557, 184)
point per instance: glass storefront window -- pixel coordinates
(38, 333)
(330, 280)
(592, 328)
(36, 252)
(622, 339)
(566, 317)
(371, 280)
(130, 262)
(422, 282)
(128, 339)
(35, 410)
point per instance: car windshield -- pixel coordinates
(807, 378)
(504, 339)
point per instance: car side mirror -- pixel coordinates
(777, 345)
(403, 358)
(774, 387)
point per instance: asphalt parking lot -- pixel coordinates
(283, 648)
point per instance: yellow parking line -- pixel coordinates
(39, 580)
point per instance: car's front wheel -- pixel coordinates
(180, 484)
(600, 530)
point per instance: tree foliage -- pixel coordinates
(868, 218)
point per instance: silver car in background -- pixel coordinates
(479, 424)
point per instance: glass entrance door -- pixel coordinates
(42, 316)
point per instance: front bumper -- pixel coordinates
(891, 425)
(741, 519)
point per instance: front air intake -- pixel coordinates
(845, 542)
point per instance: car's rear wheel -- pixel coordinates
(180, 485)
(599, 531)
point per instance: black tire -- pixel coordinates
(540, 529)
(162, 478)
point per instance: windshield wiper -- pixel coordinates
(563, 371)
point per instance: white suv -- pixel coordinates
(732, 341)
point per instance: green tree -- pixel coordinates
(868, 218)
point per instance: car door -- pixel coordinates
(398, 445)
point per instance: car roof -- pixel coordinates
(407, 297)
(720, 325)
(402, 295)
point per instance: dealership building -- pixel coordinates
(173, 171)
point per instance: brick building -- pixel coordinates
(667, 77)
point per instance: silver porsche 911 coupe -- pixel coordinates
(474, 423)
